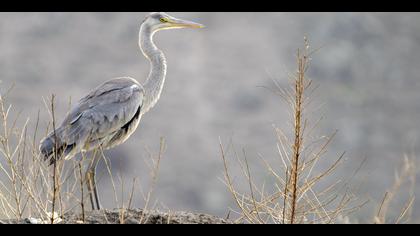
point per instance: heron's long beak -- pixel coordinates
(178, 23)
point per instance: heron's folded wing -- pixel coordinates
(102, 112)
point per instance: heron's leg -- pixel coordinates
(90, 188)
(91, 178)
(95, 190)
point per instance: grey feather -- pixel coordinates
(97, 118)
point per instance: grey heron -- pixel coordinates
(109, 114)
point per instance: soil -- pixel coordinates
(133, 216)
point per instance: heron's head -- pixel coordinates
(162, 21)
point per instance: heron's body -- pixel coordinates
(109, 114)
(104, 118)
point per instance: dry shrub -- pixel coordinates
(294, 196)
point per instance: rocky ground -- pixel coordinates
(135, 216)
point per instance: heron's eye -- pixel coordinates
(163, 20)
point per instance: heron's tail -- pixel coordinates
(48, 146)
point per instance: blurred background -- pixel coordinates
(367, 70)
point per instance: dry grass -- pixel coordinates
(299, 193)
(407, 174)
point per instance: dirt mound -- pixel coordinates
(134, 216)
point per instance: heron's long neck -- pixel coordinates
(154, 83)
